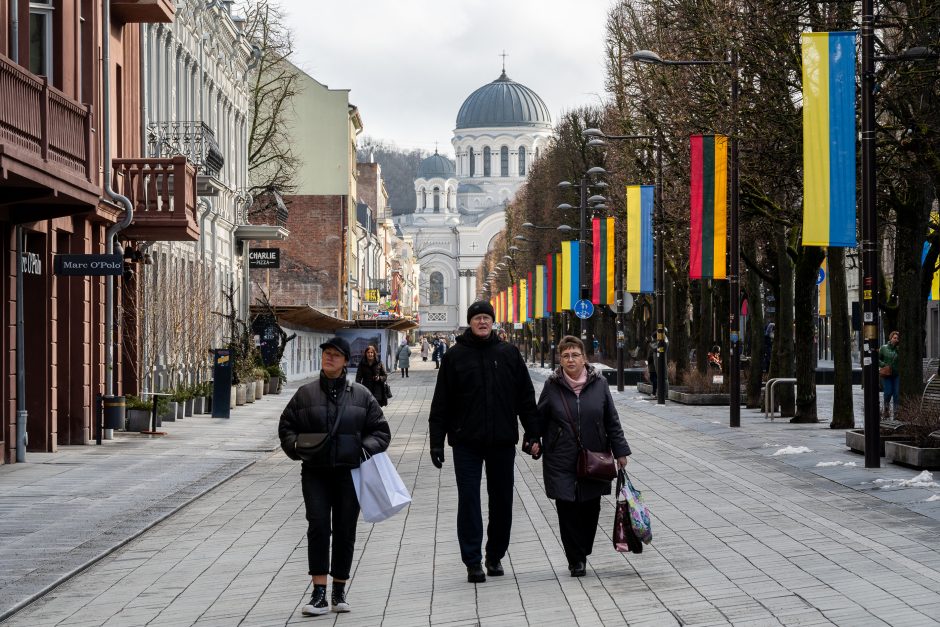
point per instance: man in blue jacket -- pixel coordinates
(483, 390)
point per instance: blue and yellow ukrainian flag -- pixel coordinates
(640, 239)
(829, 139)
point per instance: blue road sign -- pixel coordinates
(584, 308)
(820, 277)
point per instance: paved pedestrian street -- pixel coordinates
(741, 536)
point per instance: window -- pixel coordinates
(437, 200)
(436, 294)
(504, 161)
(473, 165)
(40, 38)
(486, 161)
(521, 160)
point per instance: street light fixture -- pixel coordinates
(734, 287)
(599, 138)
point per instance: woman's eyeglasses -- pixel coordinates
(571, 355)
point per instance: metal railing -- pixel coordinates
(193, 140)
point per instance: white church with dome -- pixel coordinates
(502, 129)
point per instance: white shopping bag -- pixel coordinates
(379, 489)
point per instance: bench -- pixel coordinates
(930, 400)
(769, 405)
(929, 369)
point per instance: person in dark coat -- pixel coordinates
(372, 375)
(483, 390)
(590, 410)
(438, 353)
(354, 421)
(651, 363)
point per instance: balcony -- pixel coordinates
(164, 195)
(45, 144)
(144, 11)
(196, 142)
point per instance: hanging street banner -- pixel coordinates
(264, 258)
(88, 265)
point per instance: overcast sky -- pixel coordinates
(411, 63)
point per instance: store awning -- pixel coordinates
(315, 320)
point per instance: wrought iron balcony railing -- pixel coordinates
(193, 140)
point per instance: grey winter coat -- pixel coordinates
(596, 417)
(404, 356)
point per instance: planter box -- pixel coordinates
(259, 388)
(855, 440)
(188, 407)
(909, 455)
(170, 414)
(687, 398)
(241, 394)
(275, 384)
(180, 410)
(250, 392)
(138, 420)
(644, 388)
(199, 405)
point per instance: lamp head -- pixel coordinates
(647, 56)
(596, 143)
(564, 185)
(564, 206)
(592, 132)
(564, 228)
(596, 171)
(528, 225)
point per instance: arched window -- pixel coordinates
(536, 154)
(504, 161)
(521, 160)
(422, 199)
(486, 161)
(437, 200)
(473, 163)
(436, 292)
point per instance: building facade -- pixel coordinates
(502, 128)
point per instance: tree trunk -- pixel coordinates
(782, 360)
(843, 411)
(806, 271)
(755, 331)
(678, 327)
(704, 316)
(912, 308)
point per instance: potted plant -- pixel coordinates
(200, 392)
(923, 426)
(182, 396)
(276, 378)
(261, 377)
(138, 413)
(166, 412)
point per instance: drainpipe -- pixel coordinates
(202, 227)
(15, 32)
(21, 413)
(116, 228)
(144, 74)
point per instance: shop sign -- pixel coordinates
(31, 263)
(264, 258)
(88, 265)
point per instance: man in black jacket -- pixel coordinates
(483, 389)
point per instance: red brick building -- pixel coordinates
(52, 131)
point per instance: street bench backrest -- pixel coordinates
(930, 365)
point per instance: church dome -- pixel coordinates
(504, 102)
(435, 167)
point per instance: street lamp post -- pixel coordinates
(547, 326)
(734, 287)
(597, 140)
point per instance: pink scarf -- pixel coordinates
(576, 384)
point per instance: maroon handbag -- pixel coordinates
(595, 465)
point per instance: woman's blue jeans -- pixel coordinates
(891, 386)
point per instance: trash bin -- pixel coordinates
(114, 412)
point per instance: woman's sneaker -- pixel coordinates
(318, 604)
(339, 598)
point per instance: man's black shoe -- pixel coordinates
(494, 568)
(475, 574)
(577, 569)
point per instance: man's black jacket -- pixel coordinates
(483, 387)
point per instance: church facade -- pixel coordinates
(502, 129)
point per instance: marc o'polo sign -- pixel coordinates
(264, 258)
(88, 265)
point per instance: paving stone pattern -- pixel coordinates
(740, 537)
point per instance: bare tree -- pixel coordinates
(271, 161)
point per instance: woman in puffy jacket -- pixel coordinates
(576, 397)
(351, 420)
(371, 374)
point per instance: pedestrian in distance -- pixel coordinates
(425, 348)
(483, 390)
(576, 410)
(438, 353)
(651, 363)
(352, 422)
(888, 371)
(372, 375)
(404, 357)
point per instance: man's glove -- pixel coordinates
(527, 447)
(437, 457)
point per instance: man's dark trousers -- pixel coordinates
(500, 471)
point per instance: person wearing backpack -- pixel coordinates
(327, 425)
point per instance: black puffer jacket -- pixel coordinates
(366, 373)
(594, 413)
(483, 388)
(362, 425)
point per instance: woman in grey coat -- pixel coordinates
(590, 410)
(404, 357)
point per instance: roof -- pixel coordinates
(469, 188)
(311, 318)
(436, 166)
(504, 102)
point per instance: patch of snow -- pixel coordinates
(935, 497)
(923, 480)
(827, 464)
(793, 450)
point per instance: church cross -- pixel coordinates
(504, 55)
